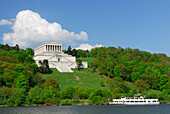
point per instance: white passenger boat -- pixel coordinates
(134, 101)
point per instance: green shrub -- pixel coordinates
(65, 102)
(10, 101)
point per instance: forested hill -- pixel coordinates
(132, 65)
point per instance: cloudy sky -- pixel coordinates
(142, 24)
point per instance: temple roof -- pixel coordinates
(49, 43)
(53, 42)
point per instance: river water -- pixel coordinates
(104, 109)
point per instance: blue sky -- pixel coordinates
(142, 24)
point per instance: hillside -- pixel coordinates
(77, 78)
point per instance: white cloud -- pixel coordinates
(12, 19)
(88, 47)
(30, 30)
(5, 22)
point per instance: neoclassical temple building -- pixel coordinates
(52, 51)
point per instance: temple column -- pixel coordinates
(51, 48)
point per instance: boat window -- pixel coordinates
(136, 101)
(144, 101)
(149, 101)
(154, 101)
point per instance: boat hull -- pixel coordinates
(111, 103)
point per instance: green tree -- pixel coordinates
(29, 59)
(109, 67)
(36, 95)
(117, 71)
(69, 51)
(30, 51)
(51, 95)
(79, 64)
(68, 93)
(22, 82)
(96, 99)
(19, 68)
(65, 102)
(74, 53)
(52, 82)
(16, 47)
(44, 67)
(135, 76)
(163, 81)
(141, 85)
(20, 96)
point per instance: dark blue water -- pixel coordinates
(104, 109)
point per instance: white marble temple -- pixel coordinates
(52, 51)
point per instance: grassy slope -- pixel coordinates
(81, 78)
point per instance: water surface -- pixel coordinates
(104, 109)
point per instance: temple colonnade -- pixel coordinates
(53, 48)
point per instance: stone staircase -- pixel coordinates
(63, 69)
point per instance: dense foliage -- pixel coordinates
(126, 71)
(150, 71)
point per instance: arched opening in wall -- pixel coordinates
(58, 59)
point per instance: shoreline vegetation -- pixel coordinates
(112, 73)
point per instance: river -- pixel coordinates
(103, 109)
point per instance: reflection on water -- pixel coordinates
(105, 109)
